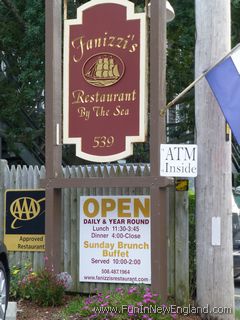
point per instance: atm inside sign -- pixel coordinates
(178, 160)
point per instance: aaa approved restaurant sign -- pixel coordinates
(104, 80)
(24, 220)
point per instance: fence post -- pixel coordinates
(181, 248)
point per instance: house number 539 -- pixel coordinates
(103, 142)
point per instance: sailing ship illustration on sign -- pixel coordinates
(103, 70)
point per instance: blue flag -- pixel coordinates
(224, 80)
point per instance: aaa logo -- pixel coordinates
(25, 209)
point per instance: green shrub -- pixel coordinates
(237, 314)
(137, 302)
(17, 273)
(44, 287)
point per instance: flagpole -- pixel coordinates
(181, 94)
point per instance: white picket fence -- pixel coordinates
(28, 177)
(23, 177)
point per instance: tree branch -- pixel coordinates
(15, 12)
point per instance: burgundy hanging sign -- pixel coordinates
(105, 80)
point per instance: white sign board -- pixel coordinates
(115, 239)
(178, 160)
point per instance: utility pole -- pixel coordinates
(213, 185)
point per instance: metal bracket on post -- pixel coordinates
(58, 139)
